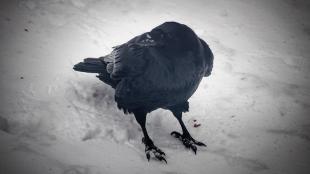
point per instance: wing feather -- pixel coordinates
(129, 60)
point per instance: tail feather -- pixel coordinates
(90, 65)
(94, 65)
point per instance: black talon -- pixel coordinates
(188, 141)
(186, 138)
(194, 148)
(151, 148)
(200, 144)
(161, 159)
(148, 156)
(161, 152)
(175, 134)
(165, 161)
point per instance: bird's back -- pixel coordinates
(166, 81)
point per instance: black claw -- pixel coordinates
(188, 141)
(194, 148)
(165, 160)
(176, 134)
(148, 156)
(200, 144)
(161, 158)
(160, 152)
(151, 148)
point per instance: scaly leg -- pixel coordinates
(150, 148)
(186, 138)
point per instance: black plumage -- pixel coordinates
(158, 69)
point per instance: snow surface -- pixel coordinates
(253, 110)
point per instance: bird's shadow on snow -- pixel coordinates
(94, 102)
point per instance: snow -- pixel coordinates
(253, 109)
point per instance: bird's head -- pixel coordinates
(175, 38)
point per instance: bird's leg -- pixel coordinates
(186, 138)
(150, 148)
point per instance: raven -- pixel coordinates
(157, 69)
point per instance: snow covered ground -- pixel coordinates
(253, 110)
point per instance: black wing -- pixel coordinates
(129, 60)
(208, 55)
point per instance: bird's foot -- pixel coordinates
(152, 150)
(188, 141)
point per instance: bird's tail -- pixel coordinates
(91, 65)
(97, 65)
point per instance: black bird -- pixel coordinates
(158, 69)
